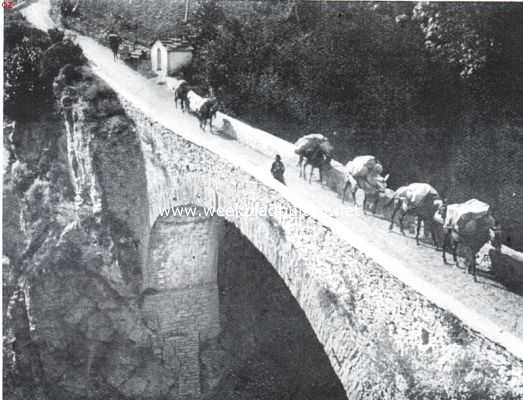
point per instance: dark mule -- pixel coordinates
(182, 94)
(424, 211)
(472, 241)
(207, 112)
(317, 158)
(114, 44)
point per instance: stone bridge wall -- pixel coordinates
(384, 339)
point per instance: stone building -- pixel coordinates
(168, 56)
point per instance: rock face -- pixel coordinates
(74, 185)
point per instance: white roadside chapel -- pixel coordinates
(168, 56)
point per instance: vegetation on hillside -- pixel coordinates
(434, 90)
(32, 60)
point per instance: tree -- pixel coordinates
(23, 88)
(59, 55)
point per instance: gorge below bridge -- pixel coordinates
(392, 320)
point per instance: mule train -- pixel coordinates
(466, 225)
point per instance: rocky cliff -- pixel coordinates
(73, 254)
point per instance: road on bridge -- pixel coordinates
(486, 298)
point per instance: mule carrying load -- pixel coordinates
(466, 224)
(316, 150)
(364, 172)
(363, 167)
(465, 218)
(420, 199)
(415, 194)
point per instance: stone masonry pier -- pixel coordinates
(181, 267)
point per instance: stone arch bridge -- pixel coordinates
(380, 327)
(387, 331)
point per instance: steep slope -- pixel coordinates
(73, 254)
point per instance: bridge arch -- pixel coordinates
(193, 192)
(213, 289)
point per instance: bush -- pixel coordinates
(56, 35)
(30, 65)
(59, 55)
(24, 91)
(16, 29)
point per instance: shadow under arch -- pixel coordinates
(273, 350)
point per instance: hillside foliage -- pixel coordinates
(32, 59)
(435, 90)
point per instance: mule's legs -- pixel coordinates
(401, 222)
(418, 227)
(353, 191)
(310, 175)
(472, 268)
(432, 233)
(305, 170)
(446, 242)
(455, 253)
(394, 212)
(375, 209)
(373, 204)
(347, 184)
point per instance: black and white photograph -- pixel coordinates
(262, 200)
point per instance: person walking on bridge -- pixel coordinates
(278, 169)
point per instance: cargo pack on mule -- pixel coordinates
(364, 172)
(466, 224)
(314, 150)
